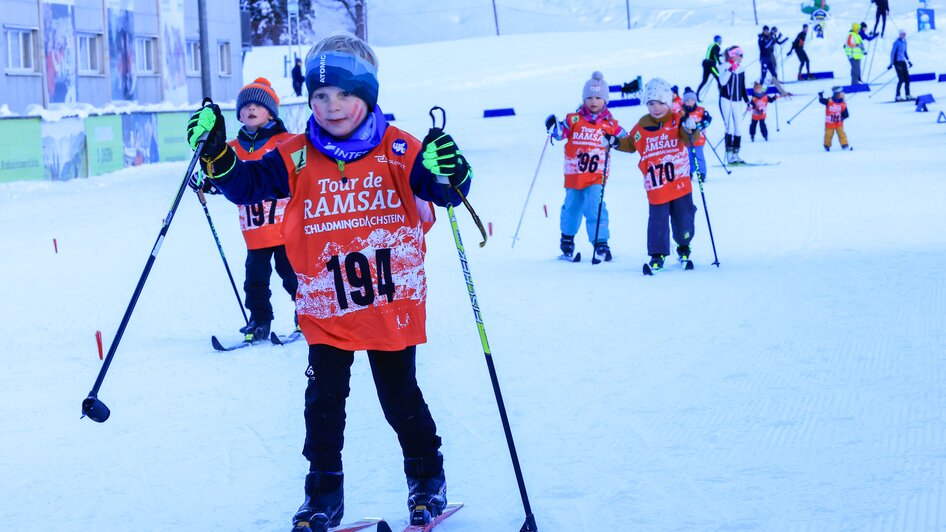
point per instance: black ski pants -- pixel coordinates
(709, 69)
(880, 14)
(258, 272)
(903, 76)
(761, 124)
(402, 402)
(803, 62)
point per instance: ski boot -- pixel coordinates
(654, 265)
(847, 147)
(827, 148)
(256, 330)
(567, 245)
(602, 251)
(683, 255)
(427, 495)
(324, 503)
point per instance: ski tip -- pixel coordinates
(274, 338)
(216, 343)
(383, 526)
(647, 270)
(577, 257)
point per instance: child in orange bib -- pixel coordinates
(261, 222)
(835, 113)
(361, 194)
(663, 139)
(585, 170)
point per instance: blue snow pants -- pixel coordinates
(681, 212)
(580, 202)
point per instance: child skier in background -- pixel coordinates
(760, 101)
(261, 222)
(702, 119)
(677, 104)
(360, 192)
(835, 114)
(585, 167)
(663, 139)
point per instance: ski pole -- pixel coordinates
(548, 140)
(213, 230)
(776, 116)
(529, 524)
(92, 407)
(889, 81)
(789, 121)
(604, 181)
(718, 158)
(699, 179)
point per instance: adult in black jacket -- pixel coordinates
(798, 46)
(711, 63)
(297, 78)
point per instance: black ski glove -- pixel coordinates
(208, 120)
(443, 158)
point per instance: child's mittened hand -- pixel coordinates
(550, 122)
(442, 157)
(207, 124)
(689, 124)
(609, 141)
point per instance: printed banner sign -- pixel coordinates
(59, 27)
(21, 149)
(172, 144)
(139, 139)
(64, 155)
(103, 139)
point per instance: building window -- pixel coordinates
(226, 69)
(90, 53)
(21, 50)
(193, 57)
(146, 55)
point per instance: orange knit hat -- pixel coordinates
(259, 92)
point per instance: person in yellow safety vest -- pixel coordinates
(854, 49)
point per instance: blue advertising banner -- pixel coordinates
(59, 27)
(121, 48)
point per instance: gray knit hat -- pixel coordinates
(658, 89)
(596, 86)
(259, 92)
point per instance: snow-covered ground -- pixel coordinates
(797, 387)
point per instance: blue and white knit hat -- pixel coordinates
(345, 71)
(261, 93)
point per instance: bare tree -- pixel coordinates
(358, 13)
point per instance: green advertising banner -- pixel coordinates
(172, 144)
(21, 149)
(103, 136)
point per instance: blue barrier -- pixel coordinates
(861, 87)
(941, 119)
(821, 75)
(389, 117)
(628, 102)
(942, 78)
(771, 90)
(923, 77)
(614, 88)
(491, 113)
(921, 102)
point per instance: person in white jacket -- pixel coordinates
(733, 98)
